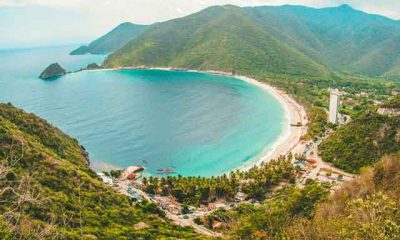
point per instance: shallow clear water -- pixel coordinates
(194, 123)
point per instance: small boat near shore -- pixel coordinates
(168, 171)
(165, 171)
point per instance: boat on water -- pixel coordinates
(165, 171)
(168, 171)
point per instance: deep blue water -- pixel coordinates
(198, 124)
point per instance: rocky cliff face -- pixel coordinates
(52, 71)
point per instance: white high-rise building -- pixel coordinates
(334, 106)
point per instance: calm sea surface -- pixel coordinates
(194, 123)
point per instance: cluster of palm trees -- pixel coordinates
(255, 183)
(259, 180)
(192, 190)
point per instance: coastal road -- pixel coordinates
(187, 222)
(320, 164)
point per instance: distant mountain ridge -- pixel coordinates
(221, 38)
(290, 40)
(112, 40)
(343, 38)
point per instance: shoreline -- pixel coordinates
(288, 142)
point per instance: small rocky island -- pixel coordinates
(52, 71)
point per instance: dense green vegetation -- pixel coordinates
(220, 38)
(270, 219)
(113, 40)
(362, 142)
(392, 103)
(47, 190)
(255, 183)
(341, 38)
(318, 121)
(286, 40)
(367, 208)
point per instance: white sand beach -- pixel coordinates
(296, 123)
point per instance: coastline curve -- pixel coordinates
(295, 117)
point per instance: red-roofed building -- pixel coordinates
(132, 176)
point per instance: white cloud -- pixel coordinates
(148, 11)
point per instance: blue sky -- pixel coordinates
(30, 23)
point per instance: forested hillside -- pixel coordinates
(342, 38)
(362, 142)
(272, 218)
(285, 40)
(222, 38)
(112, 40)
(367, 208)
(47, 190)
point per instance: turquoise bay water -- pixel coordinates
(195, 123)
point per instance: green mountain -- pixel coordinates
(341, 37)
(113, 40)
(47, 190)
(291, 40)
(221, 38)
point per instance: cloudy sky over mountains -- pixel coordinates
(26, 23)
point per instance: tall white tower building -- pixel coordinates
(334, 107)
